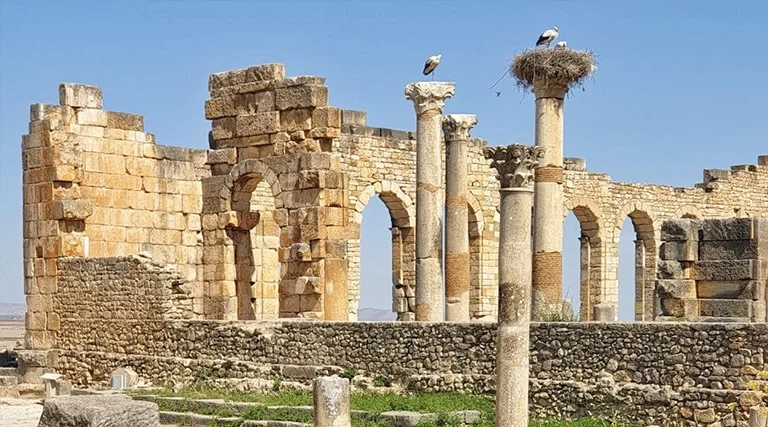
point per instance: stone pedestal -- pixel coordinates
(514, 165)
(548, 211)
(428, 100)
(456, 131)
(330, 398)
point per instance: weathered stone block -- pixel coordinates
(301, 97)
(296, 120)
(406, 418)
(92, 117)
(728, 270)
(670, 270)
(224, 155)
(730, 289)
(72, 209)
(676, 230)
(679, 250)
(326, 117)
(727, 229)
(352, 117)
(265, 72)
(728, 250)
(325, 132)
(258, 124)
(725, 308)
(80, 95)
(99, 411)
(125, 121)
(677, 307)
(223, 128)
(676, 288)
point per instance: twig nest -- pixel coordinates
(552, 68)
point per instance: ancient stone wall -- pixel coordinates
(649, 371)
(713, 270)
(602, 205)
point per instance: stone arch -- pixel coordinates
(402, 213)
(242, 284)
(647, 229)
(591, 254)
(476, 217)
(687, 212)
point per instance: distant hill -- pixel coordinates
(12, 309)
(375, 315)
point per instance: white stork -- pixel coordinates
(547, 36)
(431, 64)
(561, 45)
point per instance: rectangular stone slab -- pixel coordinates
(727, 270)
(99, 411)
(679, 307)
(727, 229)
(728, 250)
(746, 289)
(677, 230)
(725, 307)
(676, 288)
(679, 251)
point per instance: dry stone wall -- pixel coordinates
(651, 371)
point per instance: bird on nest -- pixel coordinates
(431, 64)
(561, 45)
(548, 36)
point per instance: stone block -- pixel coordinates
(125, 121)
(258, 124)
(676, 230)
(729, 290)
(758, 414)
(320, 161)
(711, 175)
(219, 107)
(715, 250)
(72, 209)
(92, 117)
(725, 308)
(729, 270)
(99, 411)
(128, 378)
(670, 270)
(223, 128)
(80, 95)
(352, 117)
(325, 132)
(727, 229)
(265, 72)
(677, 307)
(407, 418)
(301, 252)
(679, 251)
(676, 288)
(296, 120)
(330, 396)
(303, 96)
(323, 117)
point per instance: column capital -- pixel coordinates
(549, 91)
(428, 96)
(456, 126)
(514, 164)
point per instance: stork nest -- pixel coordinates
(552, 67)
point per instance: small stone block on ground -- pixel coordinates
(406, 418)
(99, 411)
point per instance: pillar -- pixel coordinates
(330, 401)
(514, 165)
(639, 280)
(428, 100)
(585, 274)
(548, 198)
(456, 130)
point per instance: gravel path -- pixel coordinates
(20, 412)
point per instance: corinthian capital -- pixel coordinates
(456, 126)
(514, 164)
(429, 95)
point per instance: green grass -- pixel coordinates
(376, 403)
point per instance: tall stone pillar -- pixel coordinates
(456, 131)
(585, 276)
(514, 165)
(548, 200)
(428, 100)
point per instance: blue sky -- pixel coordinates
(681, 85)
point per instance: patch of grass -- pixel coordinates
(348, 374)
(434, 402)
(382, 381)
(288, 397)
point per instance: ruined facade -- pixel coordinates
(266, 223)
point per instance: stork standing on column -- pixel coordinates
(431, 64)
(547, 36)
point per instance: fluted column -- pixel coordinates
(428, 100)
(548, 211)
(514, 165)
(456, 131)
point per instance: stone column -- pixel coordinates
(585, 274)
(428, 100)
(514, 165)
(548, 211)
(639, 308)
(456, 130)
(330, 401)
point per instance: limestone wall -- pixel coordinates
(648, 371)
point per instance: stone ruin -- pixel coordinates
(156, 250)
(713, 270)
